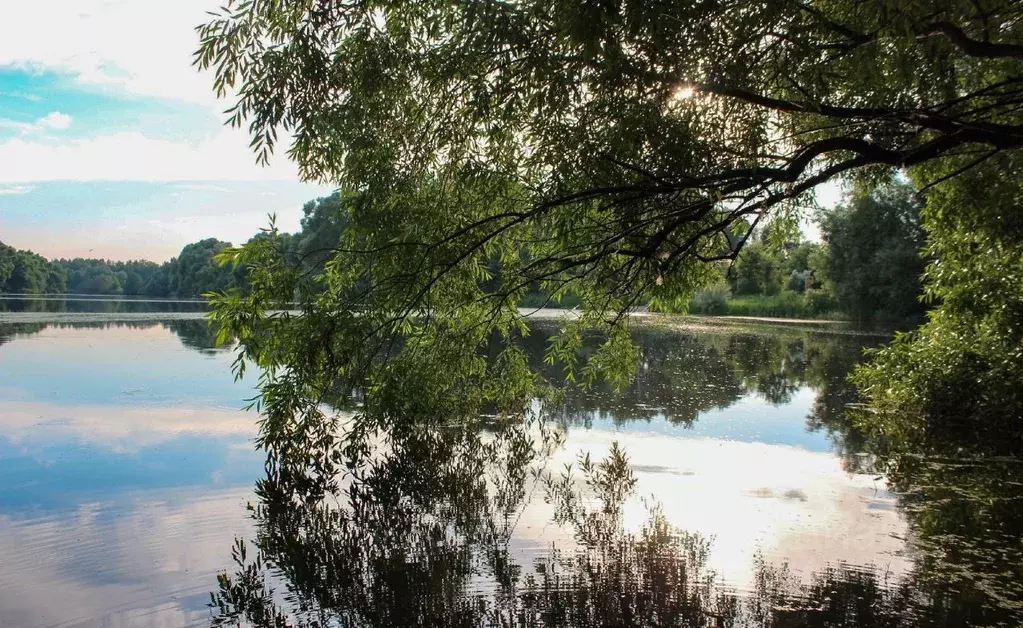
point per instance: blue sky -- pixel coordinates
(113, 145)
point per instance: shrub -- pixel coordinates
(713, 300)
(817, 302)
(797, 280)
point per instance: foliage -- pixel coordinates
(757, 272)
(601, 149)
(648, 106)
(818, 302)
(962, 371)
(868, 268)
(785, 304)
(945, 399)
(797, 280)
(767, 267)
(323, 220)
(873, 263)
(23, 272)
(7, 257)
(195, 272)
(712, 300)
(56, 280)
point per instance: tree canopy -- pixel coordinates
(605, 149)
(873, 260)
(643, 128)
(962, 371)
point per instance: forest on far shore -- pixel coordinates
(866, 268)
(190, 274)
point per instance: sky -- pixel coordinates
(113, 145)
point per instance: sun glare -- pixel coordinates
(685, 92)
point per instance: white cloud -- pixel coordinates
(13, 190)
(136, 46)
(21, 127)
(122, 429)
(132, 156)
(54, 120)
(807, 508)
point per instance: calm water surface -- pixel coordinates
(127, 474)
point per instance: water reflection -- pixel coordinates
(193, 333)
(97, 304)
(759, 499)
(403, 549)
(136, 558)
(824, 543)
(125, 469)
(963, 496)
(100, 408)
(785, 387)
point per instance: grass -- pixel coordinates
(716, 301)
(783, 305)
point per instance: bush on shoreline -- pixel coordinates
(715, 301)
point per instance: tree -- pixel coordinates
(323, 220)
(195, 273)
(158, 284)
(56, 279)
(423, 540)
(961, 373)
(7, 257)
(757, 271)
(874, 263)
(132, 283)
(800, 269)
(191, 274)
(98, 279)
(618, 144)
(29, 274)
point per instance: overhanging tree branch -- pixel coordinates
(972, 47)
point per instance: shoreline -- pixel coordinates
(681, 322)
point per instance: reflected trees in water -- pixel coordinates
(963, 498)
(194, 334)
(83, 304)
(421, 529)
(428, 541)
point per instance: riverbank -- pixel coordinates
(639, 317)
(701, 322)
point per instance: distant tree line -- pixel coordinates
(867, 267)
(190, 274)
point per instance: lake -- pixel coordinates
(129, 482)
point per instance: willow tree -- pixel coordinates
(609, 149)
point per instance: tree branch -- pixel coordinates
(972, 47)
